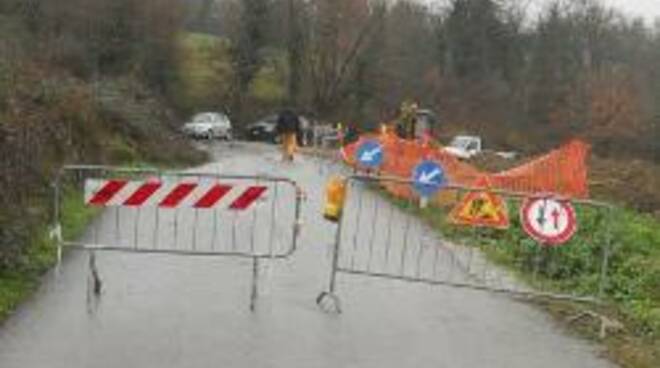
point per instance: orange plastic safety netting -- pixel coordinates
(562, 171)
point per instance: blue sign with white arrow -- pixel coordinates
(370, 154)
(429, 178)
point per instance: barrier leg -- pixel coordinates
(255, 287)
(96, 284)
(330, 294)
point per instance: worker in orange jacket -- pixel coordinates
(288, 127)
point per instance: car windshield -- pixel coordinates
(203, 118)
(462, 142)
(208, 118)
(270, 120)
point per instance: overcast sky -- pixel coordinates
(649, 9)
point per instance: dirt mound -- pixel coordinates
(634, 183)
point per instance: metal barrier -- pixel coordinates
(381, 236)
(326, 156)
(183, 213)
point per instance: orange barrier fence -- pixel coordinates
(562, 171)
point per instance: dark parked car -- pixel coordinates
(263, 130)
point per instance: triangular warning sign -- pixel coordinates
(481, 209)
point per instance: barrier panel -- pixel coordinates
(380, 236)
(562, 171)
(183, 213)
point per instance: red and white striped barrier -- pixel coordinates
(153, 193)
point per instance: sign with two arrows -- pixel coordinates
(549, 221)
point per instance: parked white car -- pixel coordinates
(464, 147)
(209, 125)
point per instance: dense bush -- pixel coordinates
(52, 118)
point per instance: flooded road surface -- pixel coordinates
(168, 311)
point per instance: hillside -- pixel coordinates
(51, 115)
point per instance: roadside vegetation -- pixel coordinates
(631, 291)
(40, 254)
(68, 96)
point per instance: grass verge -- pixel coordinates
(20, 282)
(20, 278)
(631, 291)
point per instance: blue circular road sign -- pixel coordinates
(370, 154)
(429, 178)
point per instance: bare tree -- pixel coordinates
(341, 30)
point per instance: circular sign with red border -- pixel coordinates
(549, 221)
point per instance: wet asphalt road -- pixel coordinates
(168, 311)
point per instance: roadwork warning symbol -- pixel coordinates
(481, 209)
(549, 221)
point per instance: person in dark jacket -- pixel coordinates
(288, 128)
